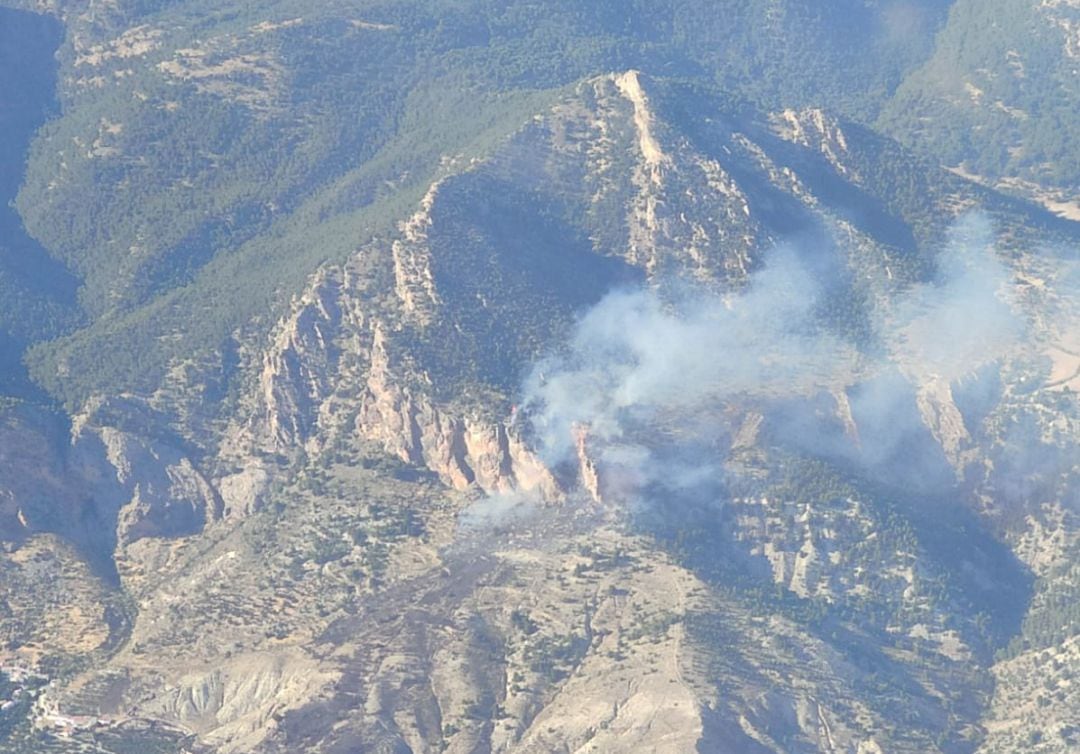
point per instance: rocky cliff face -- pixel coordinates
(364, 548)
(340, 363)
(328, 374)
(98, 484)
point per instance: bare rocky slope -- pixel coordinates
(344, 527)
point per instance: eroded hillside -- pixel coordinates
(595, 412)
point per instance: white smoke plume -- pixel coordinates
(648, 372)
(967, 316)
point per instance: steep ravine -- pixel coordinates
(39, 292)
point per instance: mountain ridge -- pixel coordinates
(570, 412)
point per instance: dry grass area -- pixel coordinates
(55, 605)
(1037, 704)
